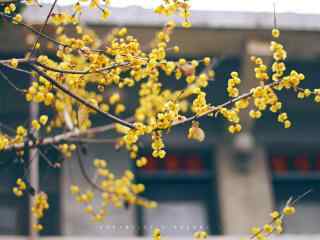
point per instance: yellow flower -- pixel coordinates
(141, 162)
(287, 124)
(255, 230)
(282, 117)
(77, 7)
(74, 189)
(21, 131)
(37, 227)
(196, 133)
(12, 7)
(289, 210)
(276, 33)
(156, 233)
(275, 214)
(17, 18)
(268, 228)
(17, 192)
(43, 119)
(255, 114)
(88, 209)
(120, 108)
(114, 98)
(200, 235)
(105, 14)
(206, 61)
(35, 124)
(186, 24)
(279, 229)
(14, 63)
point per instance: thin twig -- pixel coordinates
(92, 140)
(45, 36)
(46, 159)
(60, 138)
(82, 100)
(290, 202)
(11, 83)
(33, 50)
(89, 71)
(84, 172)
(214, 109)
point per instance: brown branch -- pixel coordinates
(80, 99)
(215, 109)
(289, 203)
(85, 174)
(93, 183)
(6, 63)
(43, 27)
(7, 2)
(31, 29)
(45, 36)
(11, 84)
(64, 137)
(89, 71)
(92, 140)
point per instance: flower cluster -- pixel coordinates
(232, 115)
(275, 226)
(158, 145)
(170, 7)
(257, 233)
(40, 92)
(141, 162)
(20, 188)
(261, 69)
(195, 132)
(40, 205)
(67, 149)
(117, 192)
(233, 91)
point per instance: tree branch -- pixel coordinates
(81, 100)
(215, 109)
(89, 71)
(64, 137)
(43, 27)
(45, 36)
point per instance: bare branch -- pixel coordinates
(64, 137)
(45, 36)
(11, 83)
(43, 27)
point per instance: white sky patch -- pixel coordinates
(292, 6)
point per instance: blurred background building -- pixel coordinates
(224, 185)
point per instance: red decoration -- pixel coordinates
(301, 163)
(317, 166)
(279, 164)
(194, 164)
(171, 163)
(151, 164)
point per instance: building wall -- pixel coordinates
(75, 221)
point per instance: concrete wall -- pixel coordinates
(120, 222)
(283, 237)
(74, 220)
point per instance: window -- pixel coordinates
(16, 210)
(295, 170)
(184, 185)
